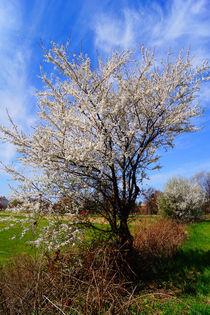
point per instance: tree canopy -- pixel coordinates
(100, 128)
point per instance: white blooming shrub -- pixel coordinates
(182, 200)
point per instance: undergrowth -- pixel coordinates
(98, 277)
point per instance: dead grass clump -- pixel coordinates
(160, 239)
(85, 282)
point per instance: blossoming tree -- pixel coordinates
(100, 128)
(182, 200)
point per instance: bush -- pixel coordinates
(83, 281)
(95, 279)
(182, 200)
(158, 240)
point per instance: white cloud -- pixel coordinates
(111, 31)
(7, 153)
(9, 19)
(174, 25)
(179, 24)
(188, 19)
(15, 91)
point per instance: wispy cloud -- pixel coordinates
(178, 24)
(15, 91)
(173, 24)
(111, 31)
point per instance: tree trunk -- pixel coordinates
(126, 239)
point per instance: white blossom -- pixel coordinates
(182, 199)
(99, 129)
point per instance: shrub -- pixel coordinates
(159, 239)
(182, 200)
(83, 281)
(95, 279)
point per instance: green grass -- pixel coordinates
(199, 237)
(11, 247)
(185, 279)
(166, 305)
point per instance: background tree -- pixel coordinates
(150, 198)
(99, 129)
(182, 200)
(203, 179)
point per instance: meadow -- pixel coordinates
(180, 285)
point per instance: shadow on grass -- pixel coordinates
(189, 271)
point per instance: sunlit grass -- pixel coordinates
(10, 247)
(11, 241)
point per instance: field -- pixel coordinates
(178, 286)
(10, 246)
(186, 278)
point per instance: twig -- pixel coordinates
(54, 304)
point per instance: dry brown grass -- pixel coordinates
(158, 239)
(88, 282)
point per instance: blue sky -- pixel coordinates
(100, 26)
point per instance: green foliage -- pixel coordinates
(164, 206)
